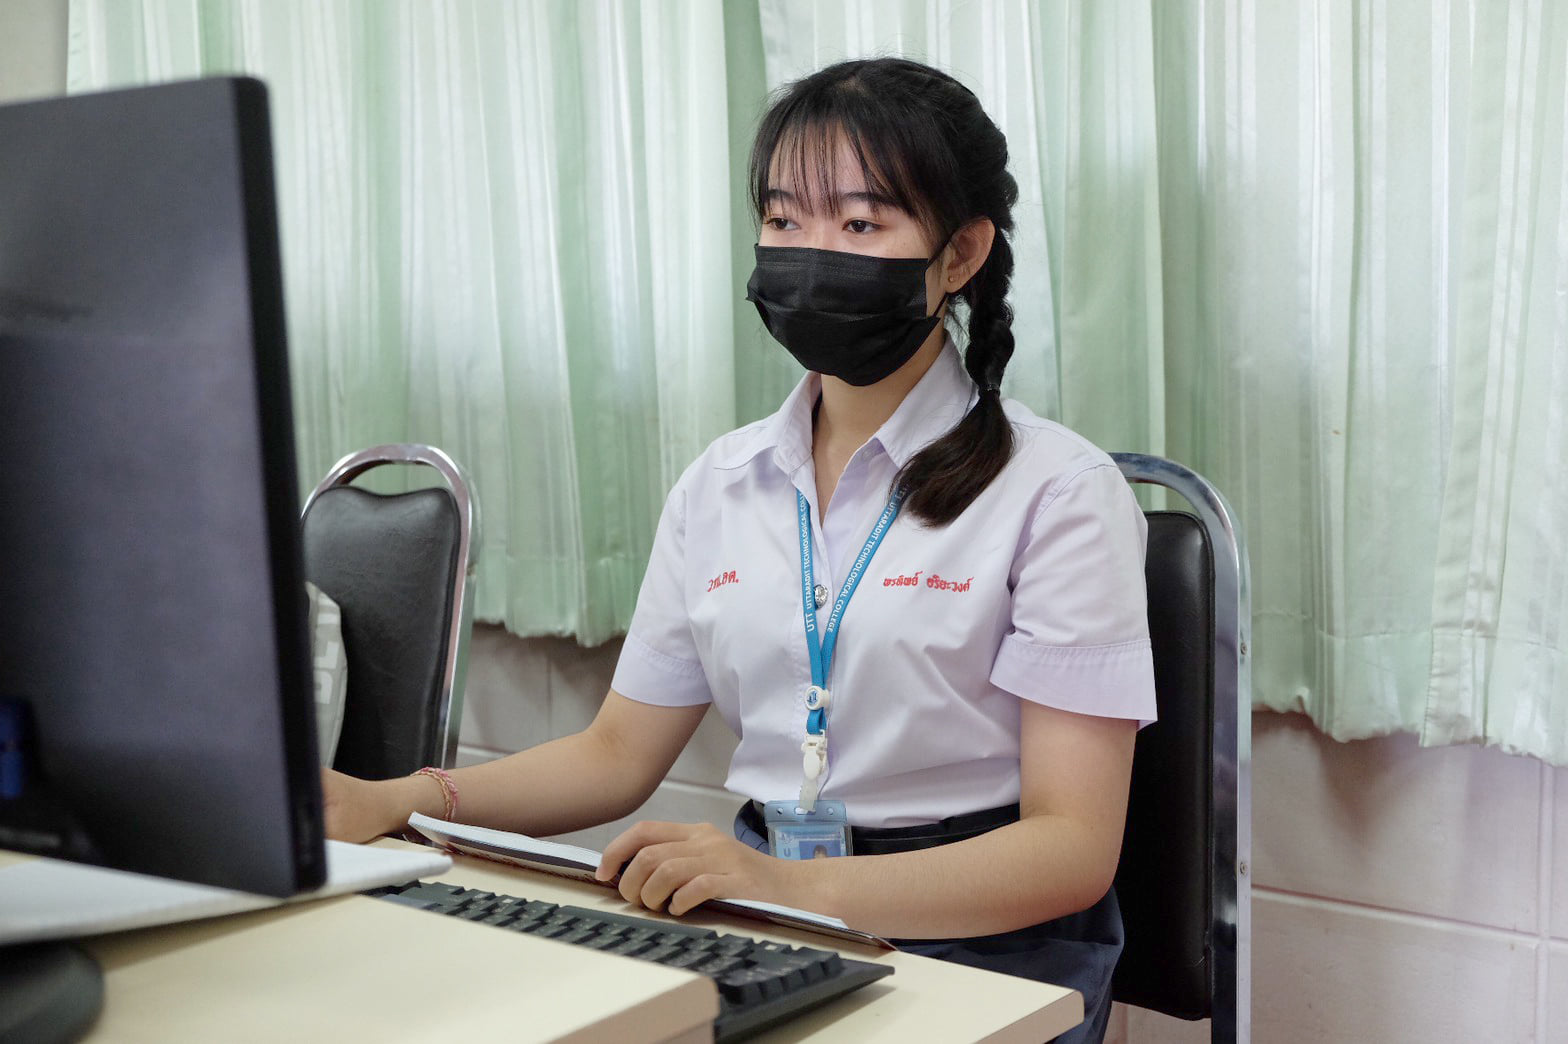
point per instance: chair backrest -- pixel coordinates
(1184, 881)
(401, 568)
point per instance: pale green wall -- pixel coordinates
(32, 48)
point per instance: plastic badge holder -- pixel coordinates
(796, 834)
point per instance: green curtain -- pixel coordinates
(506, 233)
(1366, 286)
(1318, 252)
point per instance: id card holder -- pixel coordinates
(796, 834)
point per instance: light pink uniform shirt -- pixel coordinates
(1035, 592)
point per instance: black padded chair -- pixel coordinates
(1183, 880)
(401, 567)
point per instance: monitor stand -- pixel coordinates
(49, 992)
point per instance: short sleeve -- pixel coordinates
(658, 662)
(1079, 639)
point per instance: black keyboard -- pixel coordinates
(760, 984)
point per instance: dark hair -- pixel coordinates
(922, 140)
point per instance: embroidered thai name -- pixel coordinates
(722, 579)
(936, 583)
(902, 581)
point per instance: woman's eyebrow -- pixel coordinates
(863, 196)
(875, 200)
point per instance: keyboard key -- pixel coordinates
(713, 967)
(771, 982)
(793, 978)
(433, 892)
(630, 948)
(418, 904)
(671, 939)
(662, 954)
(743, 986)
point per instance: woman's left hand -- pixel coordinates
(675, 866)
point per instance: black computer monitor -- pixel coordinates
(156, 707)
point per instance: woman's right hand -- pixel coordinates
(356, 810)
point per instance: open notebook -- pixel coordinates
(579, 864)
(50, 899)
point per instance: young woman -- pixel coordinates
(919, 606)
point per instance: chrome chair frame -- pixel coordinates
(1231, 929)
(343, 473)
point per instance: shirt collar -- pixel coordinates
(929, 411)
(937, 402)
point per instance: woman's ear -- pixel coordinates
(966, 252)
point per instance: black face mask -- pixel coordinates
(850, 316)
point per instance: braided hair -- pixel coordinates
(921, 139)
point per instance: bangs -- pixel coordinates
(806, 162)
(803, 138)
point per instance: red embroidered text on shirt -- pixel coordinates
(934, 582)
(722, 579)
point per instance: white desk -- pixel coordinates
(354, 968)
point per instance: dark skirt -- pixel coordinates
(1078, 951)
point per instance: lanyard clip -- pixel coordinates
(813, 761)
(808, 795)
(815, 749)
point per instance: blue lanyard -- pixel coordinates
(822, 654)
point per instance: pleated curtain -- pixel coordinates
(505, 233)
(1317, 251)
(1365, 263)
